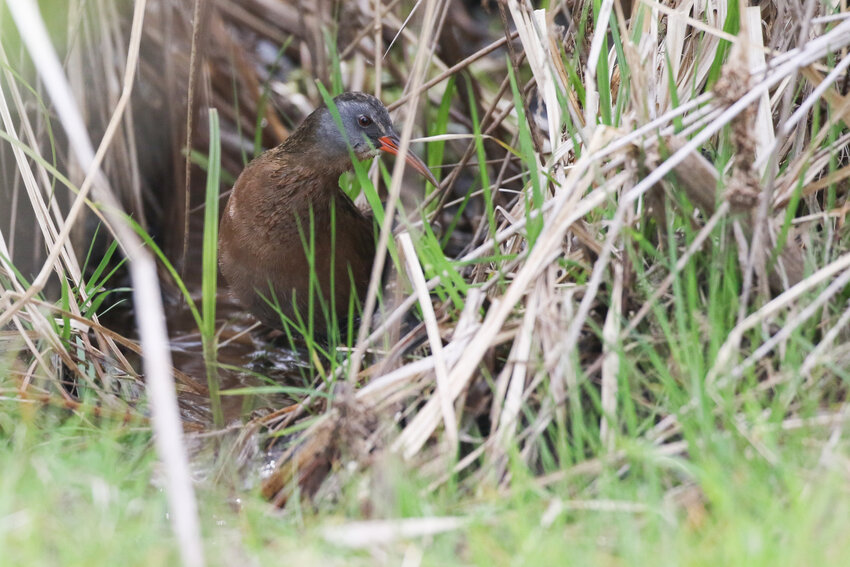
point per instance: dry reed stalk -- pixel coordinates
(403, 147)
(149, 311)
(420, 287)
(611, 362)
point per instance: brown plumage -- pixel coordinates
(286, 199)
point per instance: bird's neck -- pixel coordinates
(319, 153)
(312, 161)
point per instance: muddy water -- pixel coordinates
(247, 357)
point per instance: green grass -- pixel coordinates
(209, 279)
(76, 490)
(734, 479)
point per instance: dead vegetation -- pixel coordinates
(622, 173)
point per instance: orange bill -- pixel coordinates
(389, 144)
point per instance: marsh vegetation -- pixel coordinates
(617, 332)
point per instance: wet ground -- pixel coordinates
(249, 356)
(246, 360)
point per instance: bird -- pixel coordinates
(289, 236)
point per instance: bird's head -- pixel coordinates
(368, 130)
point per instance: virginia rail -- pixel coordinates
(287, 221)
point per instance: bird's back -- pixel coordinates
(288, 230)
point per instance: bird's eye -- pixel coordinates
(364, 120)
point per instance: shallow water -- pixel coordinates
(247, 357)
